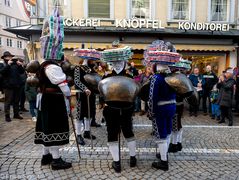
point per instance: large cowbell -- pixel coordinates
(180, 83)
(93, 80)
(119, 91)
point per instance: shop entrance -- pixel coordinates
(201, 60)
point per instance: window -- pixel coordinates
(180, 10)
(63, 5)
(8, 21)
(0, 41)
(140, 9)
(9, 42)
(18, 22)
(219, 10)
(7, 3)
(19, 44)
(99, 9)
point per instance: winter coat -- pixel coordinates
(210, 80)
(226, 92)
(11, 75)
(31, 92)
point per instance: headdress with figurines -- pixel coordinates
(160, 52)
(52, 37)
(117, 53)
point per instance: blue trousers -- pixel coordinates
(164, 120)
(216, 110)
(32, 106)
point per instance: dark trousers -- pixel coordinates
(226, 112)
(116, 121)
(22, 97)
(205, 97)
(195, 108)
(11, 98)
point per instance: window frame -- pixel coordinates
(86, 12)
(1, 42)
(9, 42)
(151, 9)
(192, 10)
(8, 21)
(19, 44)
(230, 12)
(8, 3)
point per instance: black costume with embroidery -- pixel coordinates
(52, 128)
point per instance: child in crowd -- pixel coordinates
(215, 106)
(31, 95)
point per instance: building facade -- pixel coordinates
(204, 31)
(12, 14)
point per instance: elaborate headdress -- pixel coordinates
(183, 64)
(117, 54)
(161, 53)
(90, 54)
(52, 37)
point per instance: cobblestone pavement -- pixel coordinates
(210, 151)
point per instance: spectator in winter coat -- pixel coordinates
(226, 87)
(210, 80)
(197, 81)
(11, 71)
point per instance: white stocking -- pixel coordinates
(163, 149)
(180, 136)
(45, 150)
(54, 150)
(132, 148)
(114, 150)
(87, 125)
(79, 127)
(175, 137)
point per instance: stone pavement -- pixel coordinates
(210, 151)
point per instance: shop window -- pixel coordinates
(8, 21)
(99, 8)
(219, 10)
(7, 3)
(180, 10)
(9, 42)
(140, 9)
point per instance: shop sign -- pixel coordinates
(203, 26)
(145, 23)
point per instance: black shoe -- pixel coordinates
(230, 123)
(94, 124)
(17, 116)
(205, 113)
(46, 159)
(218, 118)
(196, 114)
(190, 114)
(58, 164)
(103, 120)
(173, 148)
(180, 147)
(87, 135)
(23, 110)
(222, 121)
(7, 118)
(80, 140)
(132, 161)
(116, 166)
(213, 117)
(163, 165)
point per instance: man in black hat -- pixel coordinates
(11, 69)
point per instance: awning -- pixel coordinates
(179, 47)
